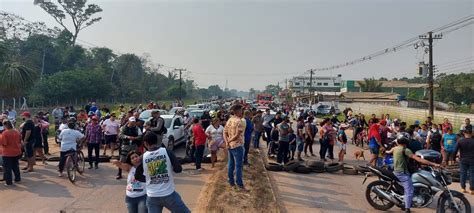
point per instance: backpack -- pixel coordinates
(411, 165)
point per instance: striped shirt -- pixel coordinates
(93, 133)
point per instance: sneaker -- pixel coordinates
(6, 184)
(118, 177)
(60, 174)
(96, 166)
(17, 181)
(242, 189)
(463, 190)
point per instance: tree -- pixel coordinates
(80, 15)
(176, 93)
(272, 89)
(456, 88)
(370, 85)
(16, 79)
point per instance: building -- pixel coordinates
(400, 87)
(301, 85)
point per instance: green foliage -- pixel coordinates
(456, 88)
(79, 13)
(176, 93)
(272, 89)
(412, 95)
(370, 85)
(16, 79)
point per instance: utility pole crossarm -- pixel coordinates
(431, 70)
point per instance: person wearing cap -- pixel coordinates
(111, 129)
(257, 121)
(465, 147)
(93, 138)
(448, 147)
(28, 140)
(131, 137)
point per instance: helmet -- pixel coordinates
(403, 138)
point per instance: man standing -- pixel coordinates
(375, 142)
(111, 129)
(28, 140)
(158, 164)
(258, 129)
(11, 115)
(234, 139)
(284, 140)
(93, 137)
(247, 135)
(267, 125)
(467, 122)
(466, 148)
(158, 125)
(131, 137)
(58, 114)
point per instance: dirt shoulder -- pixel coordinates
(218, 196)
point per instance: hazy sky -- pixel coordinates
(255, 43)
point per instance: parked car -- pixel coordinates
(146, 115)
(327, 110)
(196, 113)
(174, 109)
(176, 133)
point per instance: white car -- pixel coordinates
(146, 115)
(176, 133)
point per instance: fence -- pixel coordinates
(407, 114)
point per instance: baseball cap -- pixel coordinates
(26, 114)
(132, 119)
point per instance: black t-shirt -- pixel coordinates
(205, 124)
(466, 148)
(29, 125)
(277, 121)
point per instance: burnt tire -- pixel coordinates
(291, 166)
(275, 167)
(334, 167)
(315, 164)
(206, 159)
(362, 169)
(350, 170)
(302, 169)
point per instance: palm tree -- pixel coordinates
(370, 85)
(16, 79)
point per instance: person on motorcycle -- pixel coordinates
(400, 155)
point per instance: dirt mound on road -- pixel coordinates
(218, 196)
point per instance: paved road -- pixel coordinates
(329, 192)
(95, 191)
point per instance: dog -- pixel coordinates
(359, 154)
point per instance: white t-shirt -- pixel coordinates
(111, 127)
(159, 173)
(63, 127)
(68, 138)
(216, 134)
(134, 188)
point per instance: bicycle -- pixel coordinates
(75, 162)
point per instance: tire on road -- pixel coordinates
(206, 159)
(275, 167)
(333, 167)
(315, 164)
(362, 169)
(349, 170)
(302, 169)
(291, 166)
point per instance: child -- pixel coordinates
(292, 136)
(342, 141)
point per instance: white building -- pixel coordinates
(300, 85)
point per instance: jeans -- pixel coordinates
(330, 151)
(467, 169)
(408, 188)
(172, 202)
(235, 163)
(283, 150)
(11, 165)
(136, 204)
(93, 147)
(62, 160)
(256, 139)
(308, 144)
(323, 149)
(199, 154)
(268, 133)
(45, 143)
(247, 148)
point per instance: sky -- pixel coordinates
(250, 44)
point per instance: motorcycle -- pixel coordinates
(387, 192)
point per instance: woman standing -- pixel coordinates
(10, 150)
(38, 137)
(215, 136)
(327, 134)
(135, 191)
(199, 142)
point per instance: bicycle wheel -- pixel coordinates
(80, 162)
(71, 169)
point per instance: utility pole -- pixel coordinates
(180, 82)
(431, 70)
(311, 72)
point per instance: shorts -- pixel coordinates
(342, 146)
(374, 150)
(299, 145)
(293, 147)
(450, 156)
(110, 139)
(216, 145)
(38, 144)
(29, 149)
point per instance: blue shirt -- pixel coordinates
(248, 130)
(449, 142)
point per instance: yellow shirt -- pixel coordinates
(235, 126)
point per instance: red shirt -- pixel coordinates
(199, 135)
(10, 143)
(374, 132)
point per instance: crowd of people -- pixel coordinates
(236, 130)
